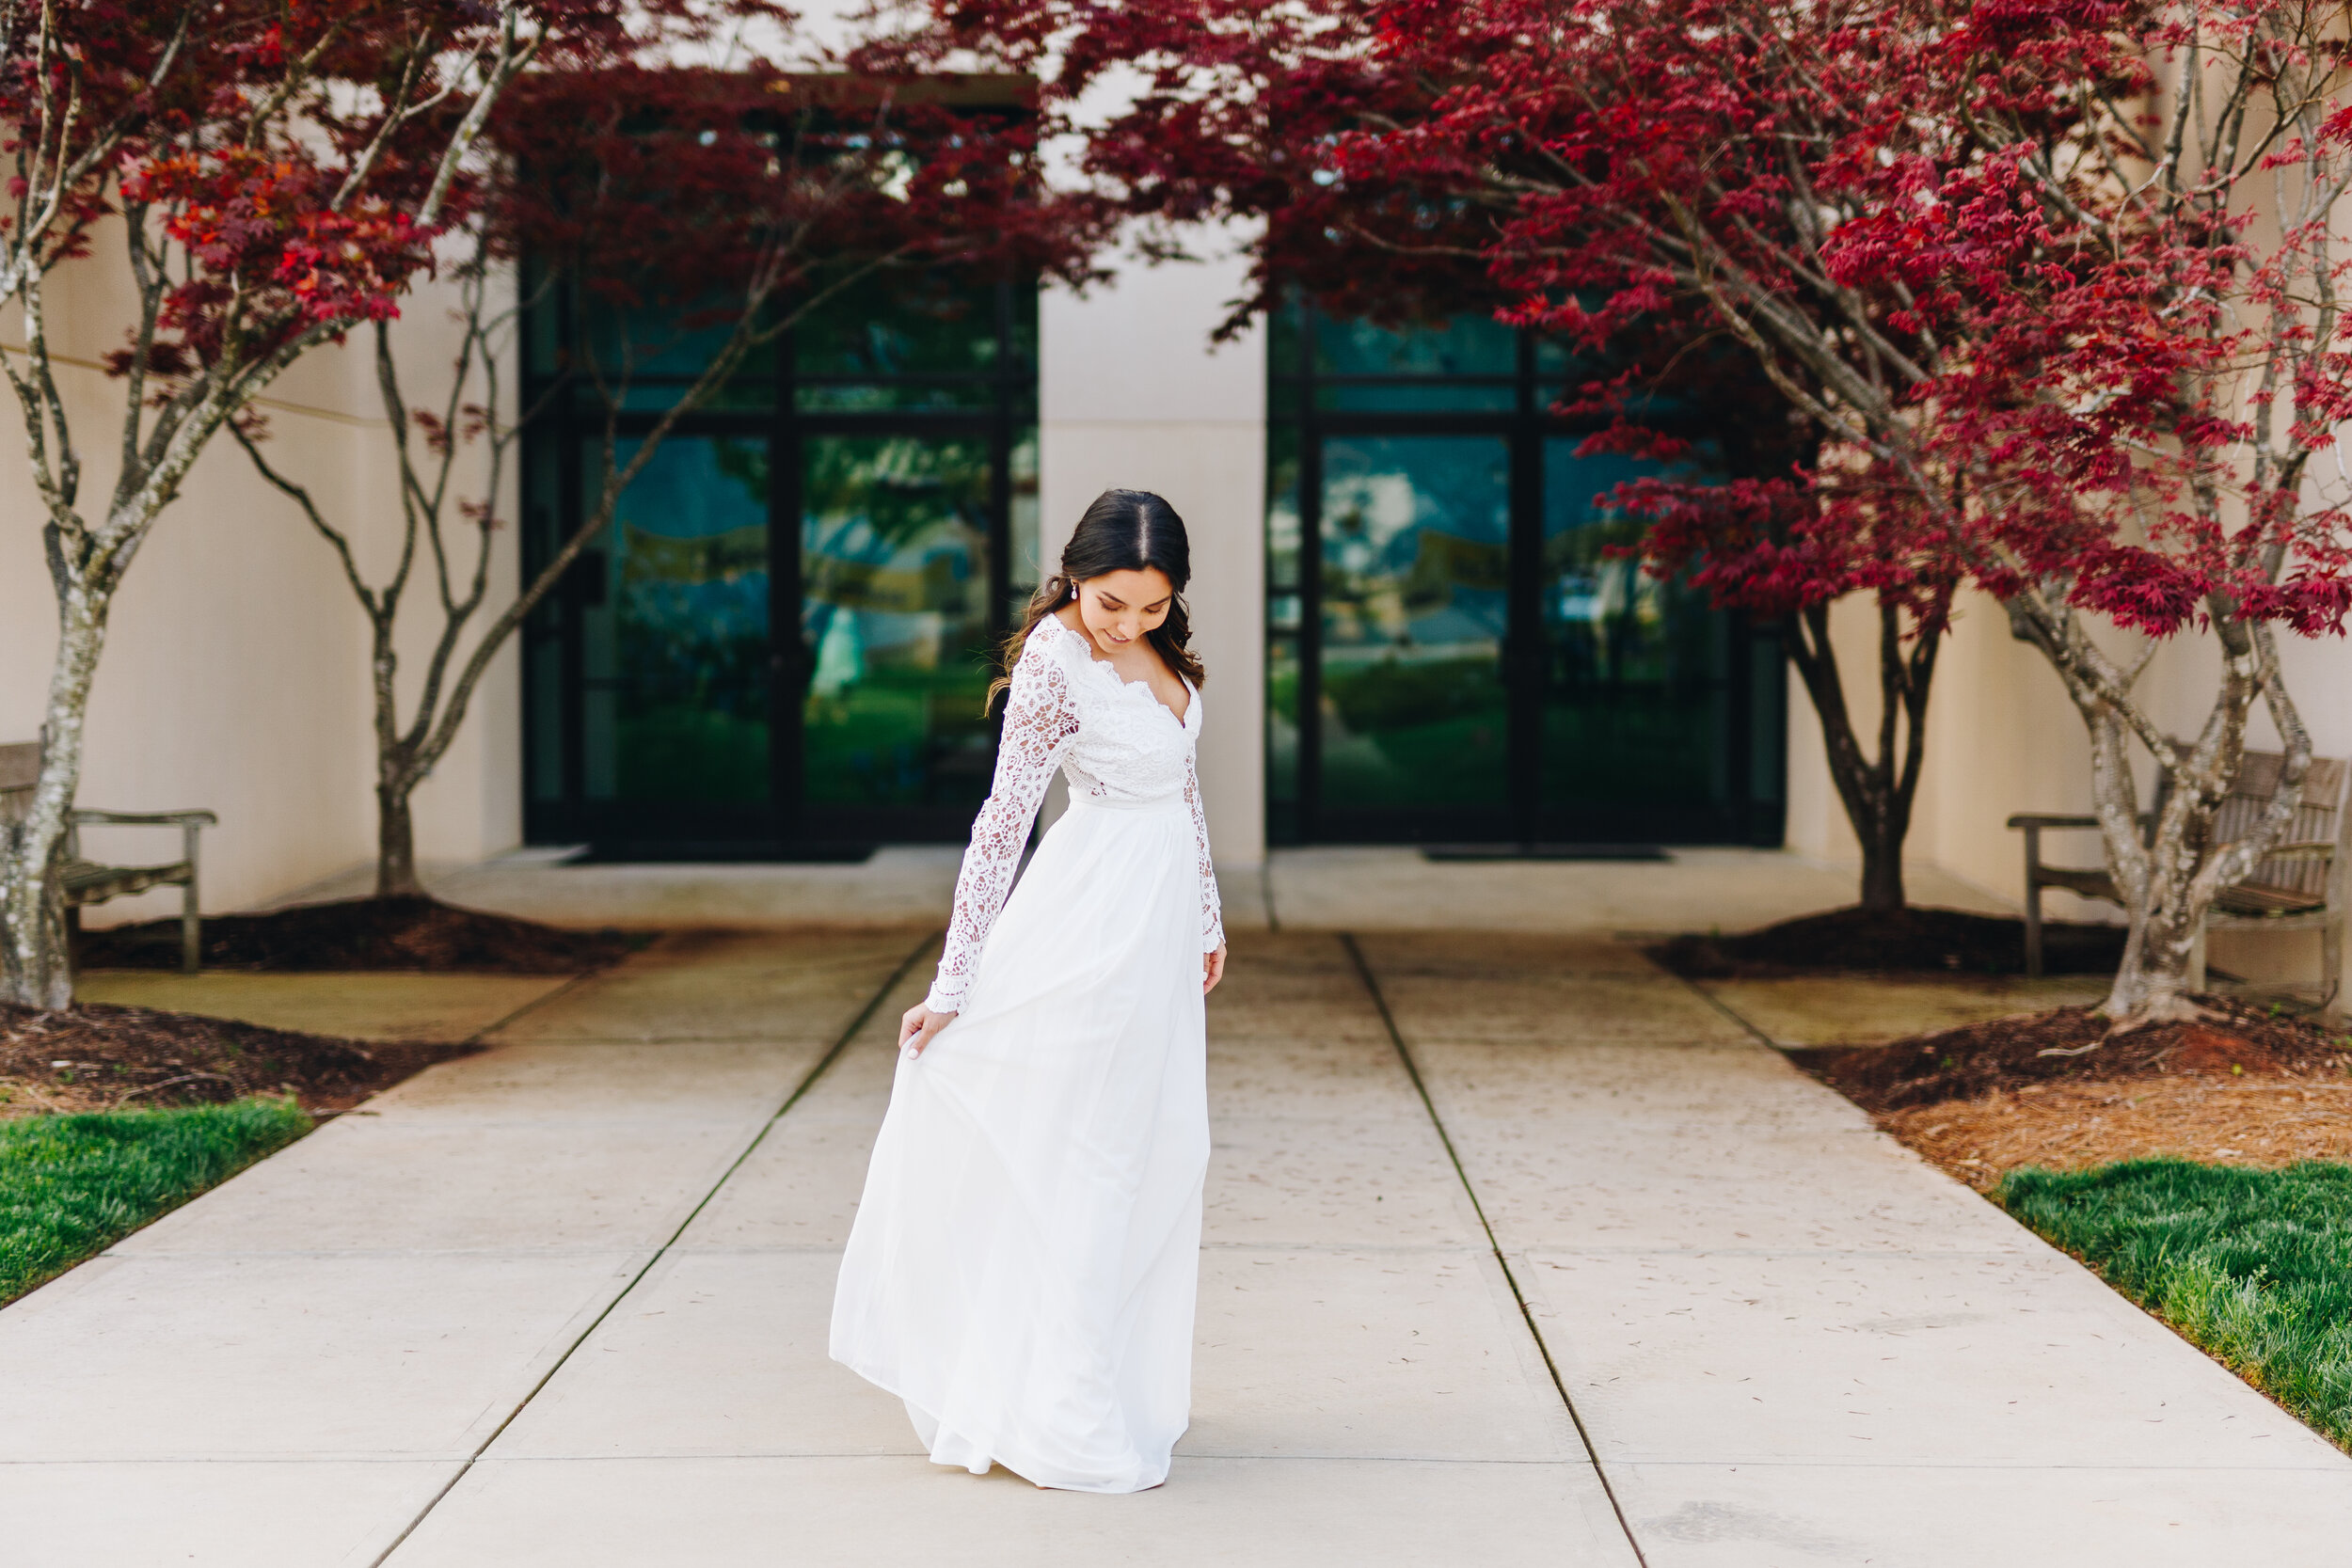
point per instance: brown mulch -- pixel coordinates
(98, 1057)
(2247, 1085)
(1909, 940)
(2010, 1052)
(408, 935)
(2214, 1117)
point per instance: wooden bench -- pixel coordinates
(2299, 887)
(88, 883)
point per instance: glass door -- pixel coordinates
(1457, 651)
(1634, 684)
(675, 710)
(895, 566)
(1413, 609)
(780, 647)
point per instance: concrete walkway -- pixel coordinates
(1519, 1252)
(1321, 889)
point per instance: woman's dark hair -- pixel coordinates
(1124, 530)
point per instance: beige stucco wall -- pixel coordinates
(2002, 738)
(1132, 395)
(234, 674)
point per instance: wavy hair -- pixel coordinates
(1124, 530)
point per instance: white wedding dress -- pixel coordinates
(1024, 1265)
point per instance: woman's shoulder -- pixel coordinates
(1047, 647)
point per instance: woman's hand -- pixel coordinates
(1211, 968)
(916, 1026)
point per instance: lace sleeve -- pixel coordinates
(1041, 721)
(1211, 911)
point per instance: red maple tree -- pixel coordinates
(680, 211)
(273, 177)
(1326, 127)
(2050, 286)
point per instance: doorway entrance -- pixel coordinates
(1455, 653)
(781, 646)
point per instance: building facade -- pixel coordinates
(1415, 628)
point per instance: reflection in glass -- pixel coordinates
(676, 655)
(651, 358)
(1024, 568)
(1473, 344)
(1282, 735)
(1281, 510)
(1634, 668)
(894, 606)
(1432, 397)
(1416, 544)
(928, 323)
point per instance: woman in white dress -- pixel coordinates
(1024, 1265)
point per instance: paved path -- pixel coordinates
(565, 1304)
(1322, 887)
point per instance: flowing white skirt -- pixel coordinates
(1026, 1258)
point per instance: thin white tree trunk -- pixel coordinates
(38, 972)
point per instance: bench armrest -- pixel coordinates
(2318, 850)
(142, 818)
(2038, 819)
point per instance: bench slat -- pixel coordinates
(87, 883)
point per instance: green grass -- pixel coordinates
(2253, 1265)
(71, 1184)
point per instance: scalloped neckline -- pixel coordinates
(1084, 648)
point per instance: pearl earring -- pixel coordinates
(1074, 590)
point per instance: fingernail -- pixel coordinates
(910, 1052)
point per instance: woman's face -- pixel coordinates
(1120, 606)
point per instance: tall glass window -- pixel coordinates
(1456, 648)
(781, 645)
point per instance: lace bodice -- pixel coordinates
(1113, 740)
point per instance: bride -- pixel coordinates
(1023, 1263)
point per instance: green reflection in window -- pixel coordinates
(834, 397)
(668, 346)
(676, 655)
(894, 571)
(1416, 535)
(1024, 569)
(1472, 344)
(1281, 726)
(1432, 397)
(895, 325)
(1281, 524)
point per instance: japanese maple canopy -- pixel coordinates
(2015, 354)
(294, 154)
(291, 155)
(673, 191)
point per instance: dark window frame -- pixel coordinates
(559, 811)
(1754, 737)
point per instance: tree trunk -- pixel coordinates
(2167, 870)
(40, 968)
(395, 840)
(2151, 983)
(38, 971)
(1882, 870)
(1876, 791)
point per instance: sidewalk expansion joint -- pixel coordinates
(1725, 1008)
(1494, 1243)
(808, 1080)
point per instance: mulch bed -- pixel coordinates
(1910, 940)
(407, 935)
(2010, 1052)
(101, 1057)
(2249, 1085)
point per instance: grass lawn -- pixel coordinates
(2253, 1265)
(70, 1185)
